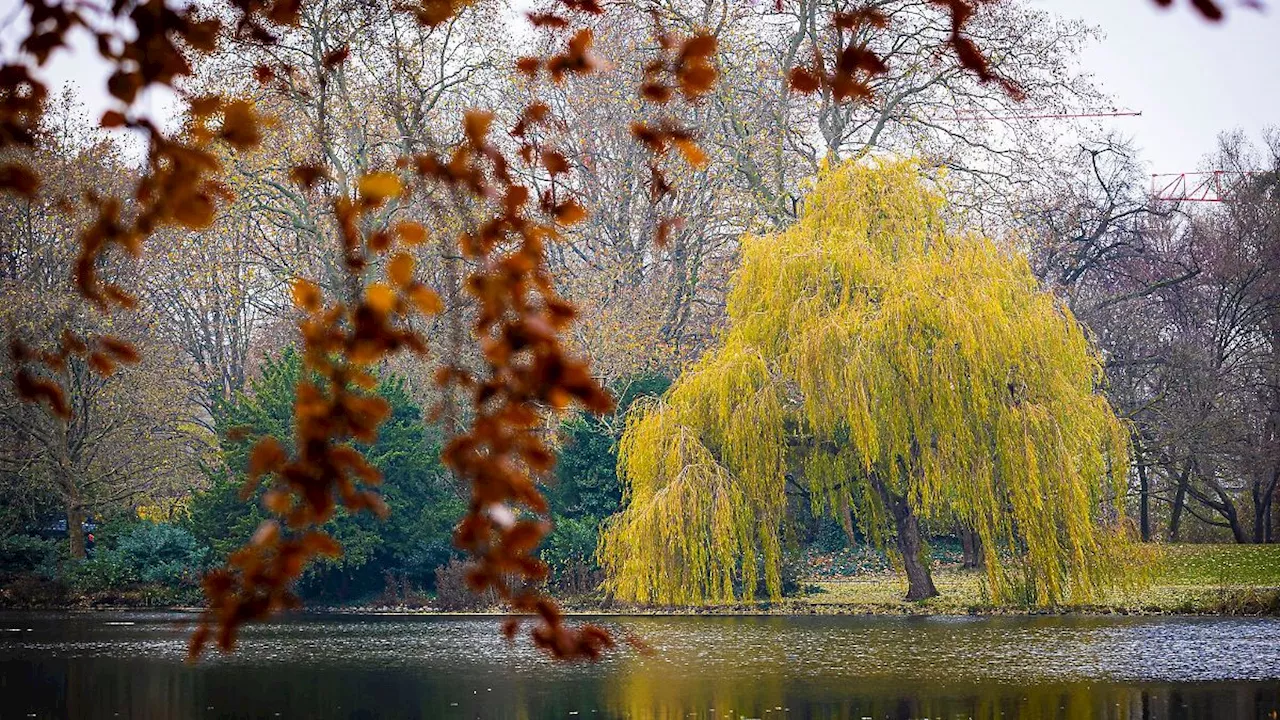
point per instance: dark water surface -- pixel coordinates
(131, 665)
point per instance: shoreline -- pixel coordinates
(1186, 580)
(792, 608)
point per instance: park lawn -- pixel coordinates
(1220, 565)
(1219, 579)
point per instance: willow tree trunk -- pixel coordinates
(971, 548)
(919, 580)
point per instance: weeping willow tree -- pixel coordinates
(895, 367)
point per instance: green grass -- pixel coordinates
(1220, 565)
(1193, 579)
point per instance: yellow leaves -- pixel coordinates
(378, 187)
(865, 329)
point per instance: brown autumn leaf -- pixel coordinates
(102, 364)
(547, 20)
(118, 296)
(411, 233)
(306, 295)
(554, 162)
(19, 178)
(666, 228)
(696, 79)
(701, 46)
(379, 186)
(121, 350)
(528, 65)
(336, 57)
(656, 92)
(240, 125)
(803, 81)
(37, 389)
(308, 176)
(859, 18)
(400, 269)
(380, 298)
(266, 457)
(692, 152)
(426, 300)
(570, 212)
(476, 124)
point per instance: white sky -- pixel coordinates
(1191, 79)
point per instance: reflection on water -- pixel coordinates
(131, 665)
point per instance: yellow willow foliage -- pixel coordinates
(871, 341)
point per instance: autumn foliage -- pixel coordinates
(520, 320)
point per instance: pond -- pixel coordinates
(131, 665)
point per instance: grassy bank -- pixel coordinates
(1184, 579)
(1193, 579)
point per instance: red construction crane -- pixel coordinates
(1207, 186)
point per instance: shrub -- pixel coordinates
(28, 554)
(570, 554)
(454, 595)
(146, 553)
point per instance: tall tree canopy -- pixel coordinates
(895, 365)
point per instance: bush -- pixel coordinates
(146, 553)
(29, 590)
(454, 595)
(570, 554)
(28, 554)
(829, 537)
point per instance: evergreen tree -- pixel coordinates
(412, 541)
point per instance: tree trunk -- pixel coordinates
(1237, 530)
(1179, 501)
(1144, 492)
(971, 547)
(1263, 494)
(75, 531)
(1270, 523)
(919, 580)
(845, 515)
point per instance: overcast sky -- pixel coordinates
(1191, 79)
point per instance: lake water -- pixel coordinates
(131, 665)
